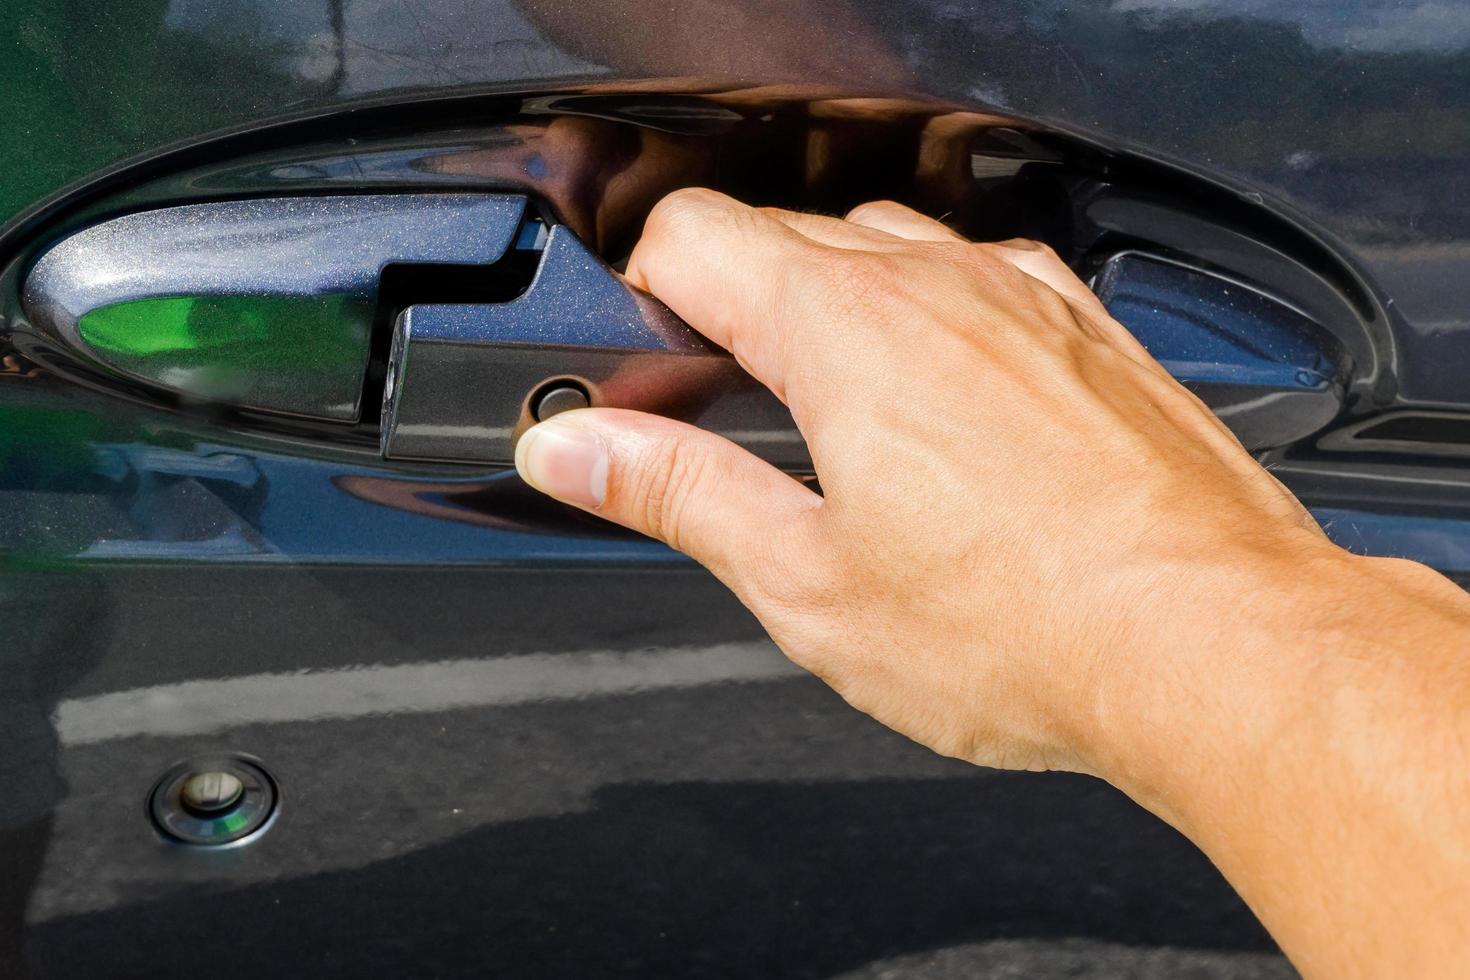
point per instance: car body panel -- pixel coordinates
(510, 739)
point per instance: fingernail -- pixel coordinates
(564, 461)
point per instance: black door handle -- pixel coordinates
(464, 380)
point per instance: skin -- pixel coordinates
(1036, 550)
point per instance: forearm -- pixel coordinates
(1318, 750)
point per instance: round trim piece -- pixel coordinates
(250, 813)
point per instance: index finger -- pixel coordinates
(724, 268)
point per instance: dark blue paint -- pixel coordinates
(1203, 328)
(1441, 542)
(180, 496)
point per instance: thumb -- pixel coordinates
(697, 492)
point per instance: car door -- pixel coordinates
(300, 680)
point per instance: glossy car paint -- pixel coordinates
(510, 740)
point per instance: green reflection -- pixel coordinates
(302, 354)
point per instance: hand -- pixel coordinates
(1020, 506)
(1035, 549)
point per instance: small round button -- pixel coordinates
(214, 801)
(558, 398)
(211, 792)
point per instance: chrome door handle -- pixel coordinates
(264, 304)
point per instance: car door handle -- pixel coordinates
(465, 380)
(264, 304)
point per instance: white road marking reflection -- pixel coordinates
(205, 706)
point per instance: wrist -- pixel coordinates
(1302, 741)
(1222, 654)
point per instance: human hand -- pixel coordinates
(1024, 518)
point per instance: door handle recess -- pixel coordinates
(269, 305)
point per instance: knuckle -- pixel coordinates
(681, 211)
(1041, 250)
(985, 264)
(990, 254)
(664, 482)
(996, 266)
(956, 253)
(1021, 245)
(877, 209)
